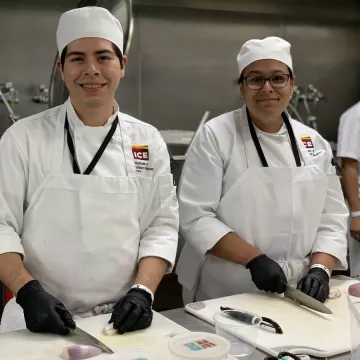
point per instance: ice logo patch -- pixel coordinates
(308, 144)
(140, 152)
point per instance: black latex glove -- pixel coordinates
(267, 274)
(132, 312)
(42, 312)
(315, 284)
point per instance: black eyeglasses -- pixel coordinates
(257, 82)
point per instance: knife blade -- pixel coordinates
(95, 342)
(305, 300)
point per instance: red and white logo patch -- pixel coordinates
(140, 152)
(307, 142)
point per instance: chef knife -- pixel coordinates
(305, 300)
(95, 342)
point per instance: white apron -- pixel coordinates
(81, 235)
(277, 210)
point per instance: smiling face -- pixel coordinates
(268, 102)
(91, 72)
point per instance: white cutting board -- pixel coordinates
(308, 331)
(24, 345)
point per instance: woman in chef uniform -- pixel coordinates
(260, 202)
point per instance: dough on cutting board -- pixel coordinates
(109, 330)
(354, 290)
(80, 352)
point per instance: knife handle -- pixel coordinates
(250, 319)
(240, 315)
(273, 324)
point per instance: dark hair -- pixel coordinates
(241, 78)
(115, 48)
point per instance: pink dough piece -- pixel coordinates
(354, 290)
(80, 352)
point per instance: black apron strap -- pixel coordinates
(293, 142)
(256, 140)
(259, 149)
(98, 154)
(76, 167)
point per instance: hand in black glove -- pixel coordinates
(315, 284)
(132, 312)
(267, 274)
(43, 312)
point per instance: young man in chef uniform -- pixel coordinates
(88, 212)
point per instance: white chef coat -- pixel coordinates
(26, 153)
(348, 145)
(215, 163)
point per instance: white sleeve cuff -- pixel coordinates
(202, 237)
(206, 233)
(349, 155)
(164, 249)
(10, 242)
(332, 246)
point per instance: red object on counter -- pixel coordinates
(8, 295)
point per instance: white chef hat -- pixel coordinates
(88, 21)
(269, 48)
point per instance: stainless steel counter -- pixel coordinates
(193, 323)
